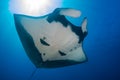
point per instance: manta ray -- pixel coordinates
(52, 41)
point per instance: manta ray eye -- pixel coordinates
(44, 42)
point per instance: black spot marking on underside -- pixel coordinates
(44, 42)
(62, 53)
(44, 54)
(71, 50)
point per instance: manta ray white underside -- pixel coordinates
(51, 40)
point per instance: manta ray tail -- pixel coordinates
(33, 74)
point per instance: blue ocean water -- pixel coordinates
(102, 45)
